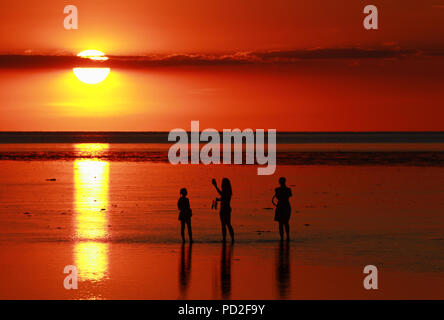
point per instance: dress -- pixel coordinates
(283, 208)
(225, 208)
(183, 204)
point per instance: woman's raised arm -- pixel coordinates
(215, 185)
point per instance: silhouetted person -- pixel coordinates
(283, 208)
(225, 271)
(185, 213)
(225, 208)
(185, 269)
(283, 269)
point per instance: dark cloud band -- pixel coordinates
(238, 58)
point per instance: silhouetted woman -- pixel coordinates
(225, 208)
(183, 204)
(283, 208)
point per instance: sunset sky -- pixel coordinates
(285, 64)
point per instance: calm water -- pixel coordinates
(110, 209)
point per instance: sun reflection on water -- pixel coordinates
(91, 198)
(91, 180)
(91, 260)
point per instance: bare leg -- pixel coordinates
(287, 230)
(224, 232)
(281, 230)
(230, 229)
(182, 229)
(190, 234)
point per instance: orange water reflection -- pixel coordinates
(283, 270)
(91, 182)
(185, 270)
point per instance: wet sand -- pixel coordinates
(117, 222)
(157, 271)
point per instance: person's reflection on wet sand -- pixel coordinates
(283, 269)
(185, 270)
(225, 270)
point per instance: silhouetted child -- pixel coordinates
(183, 204)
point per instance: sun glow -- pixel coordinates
(92, 75)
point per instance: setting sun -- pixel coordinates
(92, 75)
(93, 55)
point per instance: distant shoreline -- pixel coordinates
(162, 137)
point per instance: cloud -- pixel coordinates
(42, 61)
(339, 53)
(237, 58)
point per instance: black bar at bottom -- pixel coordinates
(218, 309)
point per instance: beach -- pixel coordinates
(117, 222)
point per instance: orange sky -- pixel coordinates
(141, 26)
(308, 84)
